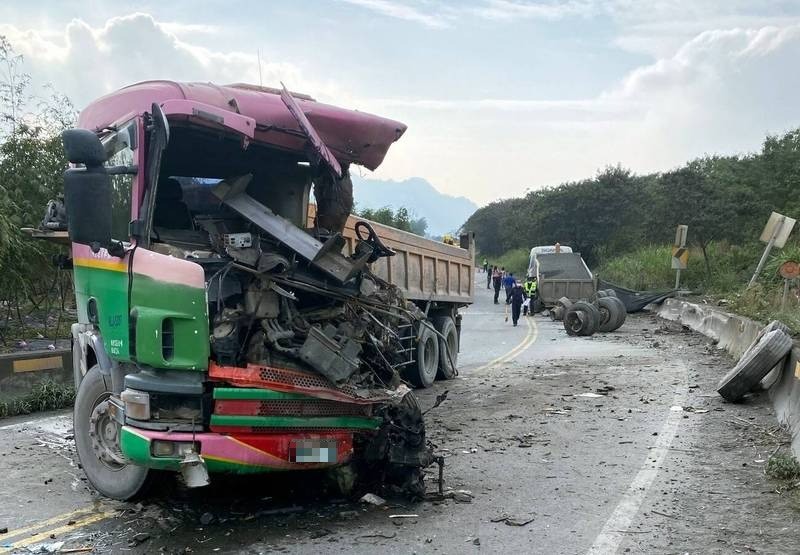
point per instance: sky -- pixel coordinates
(500, 96)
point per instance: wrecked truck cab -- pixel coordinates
(225, 323)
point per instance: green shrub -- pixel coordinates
(783, 466)
(46, 395)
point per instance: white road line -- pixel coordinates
(612, 534)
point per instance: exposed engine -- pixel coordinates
(284, 297)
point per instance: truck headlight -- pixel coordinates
(137, 404)
(164, 448)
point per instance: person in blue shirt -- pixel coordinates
(508, 283)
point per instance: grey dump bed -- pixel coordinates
(563, 275)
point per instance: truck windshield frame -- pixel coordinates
(121, 148)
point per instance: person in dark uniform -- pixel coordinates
(497, 279)
(489, 274)
(517, 296)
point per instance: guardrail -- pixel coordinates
(14, 364)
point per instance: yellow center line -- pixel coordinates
(79, 523)
(527, 341)
(72, 515)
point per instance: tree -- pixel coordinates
(32, 163)
(400, 219)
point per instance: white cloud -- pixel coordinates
(85, 62)
(505, 10)
(721, 92)
(401, 10)
(718, 91)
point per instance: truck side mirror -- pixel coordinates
(87, 191)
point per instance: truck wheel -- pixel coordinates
(97, 442)
(423, 371)
(447, 328)
(601, 293)
(564, 302)
(622, 314)
(581, 319)
(609, 314)
(774, 325)
(754, 365)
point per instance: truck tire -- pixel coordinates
(754, 365)
(426, 361)
(610, 292)
(774, 325)
(97, 442)
(601, 293)
(622, 313)
(447, 327)
(564, 302)
(581, 319)
(609, 314)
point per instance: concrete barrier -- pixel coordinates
(734, 334)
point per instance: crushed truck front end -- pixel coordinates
(222, 328)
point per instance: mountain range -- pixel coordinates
(444, 213)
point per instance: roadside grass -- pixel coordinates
(784, 467)
(46, 395)
(731, 267)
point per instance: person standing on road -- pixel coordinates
(508, 283)
(530, 293)
(497, 279)
(490, 272)
(485, 265)
(517, 296)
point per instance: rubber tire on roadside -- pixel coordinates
(128, 481)
(754, 365)
(622, 314)
(600, 294)
(564, 302)
(609, 314)
(537, 306)
(447, 327)
(557, 313)
(426, 361)
(581, 319)
(610, 292)
(773, 325)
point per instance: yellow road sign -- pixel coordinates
(680, 258)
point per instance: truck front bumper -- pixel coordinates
(240, 453)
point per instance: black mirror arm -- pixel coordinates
(116, 248)
(123, 170)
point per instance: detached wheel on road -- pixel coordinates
(611, 314)
(581, 319)
(97, 442)
(564, 303)
(447, 327)
(426, 362)
(754, 365)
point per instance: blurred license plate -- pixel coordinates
(313, 451)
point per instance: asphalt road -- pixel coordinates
(615, 443)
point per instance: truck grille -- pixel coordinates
(297, 381)
(290, 407)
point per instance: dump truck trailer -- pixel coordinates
(560, 273)
(226, 325)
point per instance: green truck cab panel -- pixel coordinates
(168, 312)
